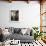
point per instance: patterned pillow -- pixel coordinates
(17, 30)
(11, 30)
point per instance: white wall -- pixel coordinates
(29, 14)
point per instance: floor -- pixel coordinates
(35, 43)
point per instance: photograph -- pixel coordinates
(14, 15)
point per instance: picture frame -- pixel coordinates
(14, 15)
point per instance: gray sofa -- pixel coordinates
(17, 35)
(22, 38)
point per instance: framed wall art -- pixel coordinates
(14, 15)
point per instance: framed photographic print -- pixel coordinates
(14, 15)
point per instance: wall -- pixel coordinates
(29, 14)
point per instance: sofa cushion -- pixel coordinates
(20, 37)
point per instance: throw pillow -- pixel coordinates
(17, 30)
(23, 31)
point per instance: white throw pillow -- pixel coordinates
(5, 32)
(28, 31)
(23, 31)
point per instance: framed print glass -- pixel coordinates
(14, 15)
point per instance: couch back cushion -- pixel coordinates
(22, 31)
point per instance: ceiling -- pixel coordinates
(20, 0)
(24, 0)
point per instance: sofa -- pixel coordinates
(22, 34)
